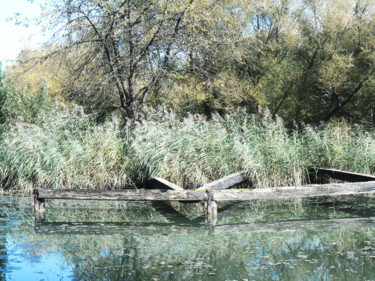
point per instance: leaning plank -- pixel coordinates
(225, 182)
(122, 195)
(344, 175)
(160, 183)
(290, 192)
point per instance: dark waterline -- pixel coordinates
(286, 240)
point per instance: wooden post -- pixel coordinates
(39, 216)
(210, 209)
(38, 207)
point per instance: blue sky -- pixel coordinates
(15, 38)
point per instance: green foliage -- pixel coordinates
(307, 61)
(304, 60)
(29, 105)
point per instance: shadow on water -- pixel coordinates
(317, 239)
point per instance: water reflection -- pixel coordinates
(71, 228)
(147, 242)
(3, 256)
(259, 256)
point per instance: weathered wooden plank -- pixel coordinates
(218, 195)
(161, 183)
(128, 229)
(344, 175)
(121, 195)
(295, 191)
(226, 182)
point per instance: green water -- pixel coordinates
(283, 240)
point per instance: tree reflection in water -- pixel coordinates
(297, 255)
(154, 246)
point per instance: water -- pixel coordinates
(282, 240)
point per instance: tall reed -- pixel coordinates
(65, 150)
(340, 145)
(68, 149)
(194, 151)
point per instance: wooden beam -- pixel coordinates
(121, 195)
(161, 183)
(226, 182)
(290, 192)
(344, 175)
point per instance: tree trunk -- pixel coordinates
(339, 105)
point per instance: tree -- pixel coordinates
(130, 44)
(310, 60)
(335, 58)
(306, 60)
(207, 81)
(31, 75)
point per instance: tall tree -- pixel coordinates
(129, 43)
(310, 60)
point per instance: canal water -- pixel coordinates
(310, 239)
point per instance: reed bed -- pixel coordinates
(67, 149)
